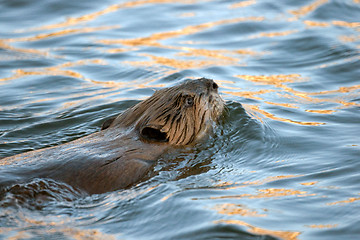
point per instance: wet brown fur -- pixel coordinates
(179, 112)
(127, 146)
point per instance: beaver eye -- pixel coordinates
(189, 101)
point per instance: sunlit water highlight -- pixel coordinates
(283, 164)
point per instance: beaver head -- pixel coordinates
(178, 115)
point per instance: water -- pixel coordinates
(283, 165)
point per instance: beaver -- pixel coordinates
(128, 145)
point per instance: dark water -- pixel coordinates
(285, 163)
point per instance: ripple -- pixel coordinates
(38, 194)
(288, 145)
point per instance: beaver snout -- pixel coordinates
(210, 85)
(214, 86)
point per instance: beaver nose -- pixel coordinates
(209, 85)
(214, 86)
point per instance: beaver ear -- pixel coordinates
(153, 133)
(107, 123)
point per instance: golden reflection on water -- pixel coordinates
(218, 54)
(321, 111)
(349, 200)
(310, 23)
(242, 4)
(286, 235)
(92, 16)
(61, 33)
(69, 232)
(346, 24)
(60, 70)
(332, 23)
(340, 90)
(199, 57)
(55, 70)
(275, 80)
(261, 193)
(352, 38)
(322, 225)
(237, 209)
(316, 24)
(153, 39)
(249, 94)
(112, 8)
(194, 58)
(178, 63)
(287, 105)
(270, 179)
(275, 34)
(268, 193)
(257, 109)
(286, 93)
(58, 224)
(305, 10)
(108, 88)
(4, 45)
(309, 183)
(230, 185)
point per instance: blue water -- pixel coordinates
(285, 162)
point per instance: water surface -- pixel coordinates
(284, 164)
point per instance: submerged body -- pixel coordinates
(127, 146)
(101, 162)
